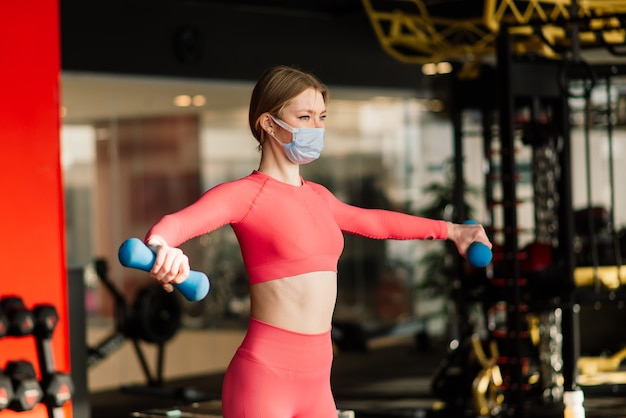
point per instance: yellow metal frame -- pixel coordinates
(418, 37)
(486, 387)
(611, 277)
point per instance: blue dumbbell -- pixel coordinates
(478, 254)
(135, 254)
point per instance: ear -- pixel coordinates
(266, 123)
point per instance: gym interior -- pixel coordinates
(511, 113)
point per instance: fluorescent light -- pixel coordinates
(182, 100)
(199, 100)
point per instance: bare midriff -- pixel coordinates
(302, 303)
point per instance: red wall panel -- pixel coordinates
(32, 256)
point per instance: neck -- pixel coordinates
(286, 173)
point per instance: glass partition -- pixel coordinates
(137, 148)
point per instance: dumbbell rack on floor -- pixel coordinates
(20, 389)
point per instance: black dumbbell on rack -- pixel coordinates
(6, 391)
(19, 321)
(57, 387)
(4, 325)
(27, 392)
(19, 389)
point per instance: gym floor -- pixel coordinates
(386, 382)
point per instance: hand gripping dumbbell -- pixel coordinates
(19, 320)
(26, 390)
(57, 387)
(478, 254)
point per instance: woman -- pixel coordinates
(290, 234)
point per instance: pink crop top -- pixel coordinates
(285, 230)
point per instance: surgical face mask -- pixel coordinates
(306, 145)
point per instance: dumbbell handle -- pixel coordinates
(133, 253)
(478, 254)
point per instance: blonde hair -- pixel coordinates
(275, 89)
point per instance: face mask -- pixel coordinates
(307, 143)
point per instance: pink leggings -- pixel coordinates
(278, 373)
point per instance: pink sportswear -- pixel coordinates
(277, 373)
(285, 230)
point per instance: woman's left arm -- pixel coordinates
(387, 224)
(381, 223)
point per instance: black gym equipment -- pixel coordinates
(6, 391)
(27, 392)
(4, 325)
(543, 310)
(541, 275)
(57, 387)
(19, 320)
(155, 318)
(600, 292)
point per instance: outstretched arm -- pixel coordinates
(216, 207)
(385, 224)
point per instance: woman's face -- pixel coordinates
(306, 110)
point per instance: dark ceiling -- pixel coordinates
(229, 39)
(331, 7)
(453, 9)
(238, 39)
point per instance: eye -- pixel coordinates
(306, 117)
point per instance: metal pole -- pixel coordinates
(512, 292)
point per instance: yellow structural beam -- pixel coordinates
(408, 31)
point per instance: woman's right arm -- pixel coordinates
(215, 208)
